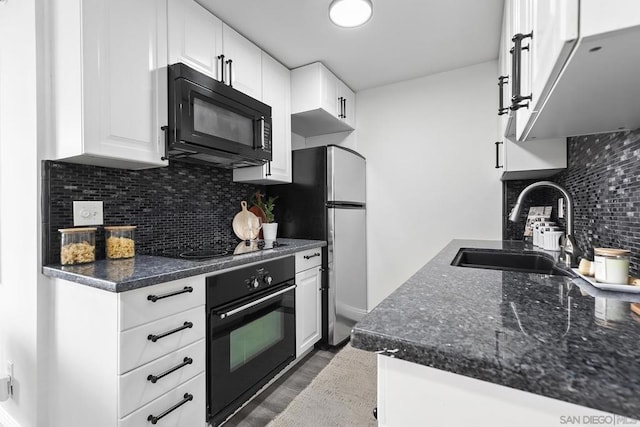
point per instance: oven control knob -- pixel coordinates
(255, 283)
(268, 280)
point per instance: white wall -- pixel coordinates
(23, 292)
(429, 145)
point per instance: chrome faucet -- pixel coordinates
(569, 248)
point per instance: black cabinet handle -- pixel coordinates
(516, 72)
(311, 256)
(186, 398)
(268, 168)
(154, 298)
(154, 338)
(498, 154)
(502, 80)
(230, 62)
(221, 58)
(154, 378)
(344, 108)
(340, 101)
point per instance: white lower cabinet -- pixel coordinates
(410, 394)
(308, 300)
(117, 359)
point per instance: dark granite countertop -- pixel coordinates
(555, 336)
(145, 270)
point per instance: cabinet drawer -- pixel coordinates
(191, 413)
(137, 346)
(155, 302)
(308, 259)
(136, 388)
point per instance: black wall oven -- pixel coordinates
(251, 332)
(210, 122)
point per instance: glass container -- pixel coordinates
(77, 245)
(119, 241)
(611, 265)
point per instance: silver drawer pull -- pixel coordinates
(256, 302)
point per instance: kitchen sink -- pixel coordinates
(496, 259)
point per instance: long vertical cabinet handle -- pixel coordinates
(502, 80)
(498, 165)
(268, 173)
(344, 108)
(340, 101)
(230, 62)
(516, 72)
(221, 58)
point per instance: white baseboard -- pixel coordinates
(7, 420)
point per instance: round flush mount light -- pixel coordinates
(350, 13)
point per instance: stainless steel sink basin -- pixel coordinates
(496, 259)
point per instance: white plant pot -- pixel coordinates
(270, 230)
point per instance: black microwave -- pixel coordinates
(210, 122)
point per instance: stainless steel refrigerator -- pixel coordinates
(326, 201)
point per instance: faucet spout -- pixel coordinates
(569, 245)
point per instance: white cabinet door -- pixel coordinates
(329, 91)
(554, 29)
(308, 309)
(195, 37)
(532, 160)
(243, 63)
(276, 92)
(109, 82)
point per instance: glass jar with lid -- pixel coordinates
(119, 241)
(611, 265)
(77, 245)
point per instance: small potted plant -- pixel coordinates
(269, 227)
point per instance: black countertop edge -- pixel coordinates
(460, 320)
(146, 270)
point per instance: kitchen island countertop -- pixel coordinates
(554, 336)
(145, 270)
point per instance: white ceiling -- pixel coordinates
(404, 39)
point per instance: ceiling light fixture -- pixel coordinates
(350, 13)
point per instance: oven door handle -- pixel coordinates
(254, 303)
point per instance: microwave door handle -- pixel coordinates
(261, 133)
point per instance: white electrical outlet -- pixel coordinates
(87, 213)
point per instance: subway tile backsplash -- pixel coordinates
(603, 176)
(182, 205)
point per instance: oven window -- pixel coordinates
(253, 338)
(211, 119)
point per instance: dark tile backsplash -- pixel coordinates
(603, 176)
(182, 205)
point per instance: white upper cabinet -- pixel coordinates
(276, 92)
(521, 160)
(320, 102)
(243, 63)
(580, 69)
(195, 37)
(109, 84)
